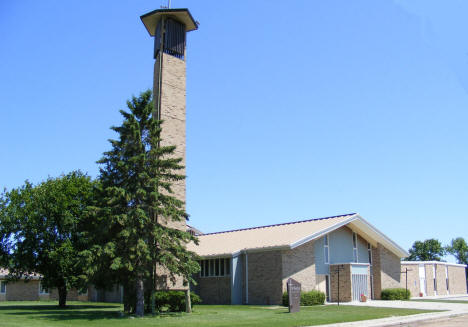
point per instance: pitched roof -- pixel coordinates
(286, 236)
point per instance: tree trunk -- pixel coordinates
(62, 293)
(140, 298)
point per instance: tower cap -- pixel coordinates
(151, 19)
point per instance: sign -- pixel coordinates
(294, 295)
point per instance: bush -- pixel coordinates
(307, 298)
(173, 301)
(395, 294)
(312, 298)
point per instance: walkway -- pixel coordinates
(459, 310)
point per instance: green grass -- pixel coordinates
(26, 314)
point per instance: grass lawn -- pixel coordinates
(103, 314)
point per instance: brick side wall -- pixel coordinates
(386, 269)
(22, 291)
(376, 273)
(345, 283)
(265, 276)
(214, 290)
(413, 279)
(299, 264)
(457, 280)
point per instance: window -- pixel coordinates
(446, 279)
(327, 287)
(369, 252)
(326, 249)
(42, 289)
(2, 287)
(355, 253)
(215, 267)
(435, 277)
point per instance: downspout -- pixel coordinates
(246, 278)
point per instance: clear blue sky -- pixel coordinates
(295, 109)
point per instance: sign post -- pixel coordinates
(294, 295)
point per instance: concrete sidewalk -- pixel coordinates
(451, 310)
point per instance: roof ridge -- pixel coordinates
(280, 224)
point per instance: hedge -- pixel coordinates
(395, 294)
(307, 298)
(173, 301)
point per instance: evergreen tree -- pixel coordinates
(41, 231)
(136, 197)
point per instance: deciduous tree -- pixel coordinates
(41, 231)
(429, 250)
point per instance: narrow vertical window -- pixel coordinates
(327, 287)
(355, 255)
(435, 277)
(228, 266)
(216, 267)
(202, 268)
(369, 253)
(326, 249)
(447, 279)
(207, 268)
(2, 287)
(211, 267)
(42, 289)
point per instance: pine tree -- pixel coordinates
(136, 180)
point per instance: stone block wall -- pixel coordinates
(413, 279)
(172, 112)
(344, 281)
(441, 280)
(429, 279)
(457, 280)
(265, 277)
(299, 264)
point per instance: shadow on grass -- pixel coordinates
(71, 312)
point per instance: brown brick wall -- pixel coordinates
(457, 280)
(22, 291)
(299, 264)
(214, 290)
(265, 276)
(345, 283)
(386, 269)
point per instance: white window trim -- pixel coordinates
(3, 282)
(355, 251)
(326, 249)
(369, 251)
(40, 290)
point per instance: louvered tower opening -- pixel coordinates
(170, 37)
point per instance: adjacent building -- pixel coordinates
(432, 278)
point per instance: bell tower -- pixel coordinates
(169, 28)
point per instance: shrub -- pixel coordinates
(173, 301)
(312, 298)
(307, 298)
(395, 294)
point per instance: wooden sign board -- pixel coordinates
(294, 295)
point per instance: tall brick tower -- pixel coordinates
(169, 28)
